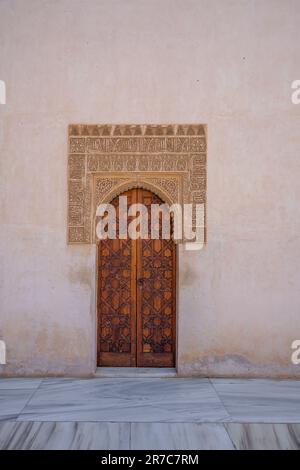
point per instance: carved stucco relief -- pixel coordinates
(105, 160)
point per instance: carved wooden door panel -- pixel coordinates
(156, 267)
(136, 297)
(116, 302)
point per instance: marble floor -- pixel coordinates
(149, 413)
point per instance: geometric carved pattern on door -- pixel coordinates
(156, 266)
(116, 307)
(137, 297)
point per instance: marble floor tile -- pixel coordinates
(7, 429)
(16, 383)
(174, 400)
(12, 402)
(136, 372)
(150, 400)
(64, 436)
(179, 436)
(262, 436)
(270, 401)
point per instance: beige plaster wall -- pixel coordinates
(226, 63)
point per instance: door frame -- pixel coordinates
(176, 279)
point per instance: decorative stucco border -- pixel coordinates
(105, 160)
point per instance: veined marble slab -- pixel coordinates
(262, 436)
(64, 436)
(179, 436)
(162, 436)
(257, 400)
(12, 402)
(126, 400)
(135, 372)
(150, 400)
(16, 383)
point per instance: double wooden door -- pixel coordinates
(136, 296)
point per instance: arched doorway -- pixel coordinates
(136, 297)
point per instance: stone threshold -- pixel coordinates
(135, 372)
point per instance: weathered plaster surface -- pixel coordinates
(228, 64)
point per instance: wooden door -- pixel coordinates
(136, 297)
